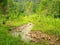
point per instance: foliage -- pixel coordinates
(49, 7)
(44, 14)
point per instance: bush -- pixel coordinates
(49, 7)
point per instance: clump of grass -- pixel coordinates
(43, 23)
(47, 24)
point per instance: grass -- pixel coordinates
(47, 24)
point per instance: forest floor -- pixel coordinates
(46, 24)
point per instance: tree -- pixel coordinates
(3, 6)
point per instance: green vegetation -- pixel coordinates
(44, 14)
